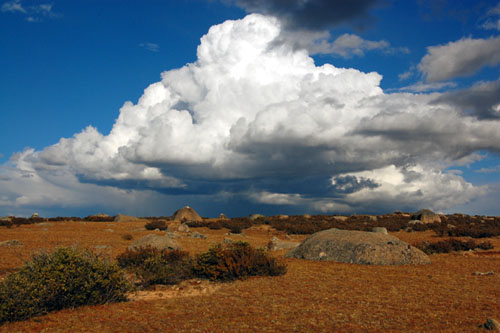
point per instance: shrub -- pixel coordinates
(67, 278)
(153, 266)
(127, 237)
(236, 261)
(157, 224)
(452, 244)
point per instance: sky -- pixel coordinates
(249, 106)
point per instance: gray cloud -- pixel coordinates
(482, 100)
(461, 58)
(310, 14)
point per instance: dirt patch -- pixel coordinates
(189, 288)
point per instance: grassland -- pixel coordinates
(445, 296)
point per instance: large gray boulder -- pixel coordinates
(358, 247)
(426, 216)
(155, 241)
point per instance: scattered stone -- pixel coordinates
(186, 214)
(44, 224)
(183, 228)
(450, 226)
(491, 325)
(372, 218)
(5, 219)
(127, 218)
(426, 216)
(282, 217)
(256, 216)
(340, 218)
(109, 230)
(358, 247)
(483, 273)
(277, 244)
(227, 240)
(12, 242)
(381, 230)
(196, 234)
(35, 215)
(223, 216)
(413, 222)
(102, 247)
(155, 241)
(171, 234)
(307, 216)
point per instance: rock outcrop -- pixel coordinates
(358, 247)
(155, 241)
(186, 214)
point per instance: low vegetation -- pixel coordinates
(453, 244)
(156, 224)
(66, 278)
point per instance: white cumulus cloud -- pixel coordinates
(259, 120)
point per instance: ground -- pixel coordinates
(445, 296)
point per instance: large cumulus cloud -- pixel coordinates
(266, 124)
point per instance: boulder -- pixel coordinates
(491, 325)
(413, 222)
(196, 234)
(127, 218)
(155, 241)
(340, 218)
(381, 230)
(358, 247)
(256, 216)
(183, 228)
(187, 214)
(277, 244)
(307, 216)
(283, 217)
(223, 216)
(426, 216)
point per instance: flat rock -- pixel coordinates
(277, 244)
(127, 218)
(155, 241)
(12, 242)
(358, 247)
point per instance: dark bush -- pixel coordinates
(67, 278)
(99, 218)
(6, 223)
(127, 237)
(236, 261)
(215, 225)
(64, 218)
(153, 266)
(452, 244)
(157, 224)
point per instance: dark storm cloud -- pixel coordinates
(310, 14)
(481, 100)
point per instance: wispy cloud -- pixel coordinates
(489, 170)
(153, 47)
(35, 13)
(426, 87)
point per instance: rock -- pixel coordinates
(426, 216)
(256, 216)
(227, 240)
(44, 224)
(102, 247)
(109, 230)
(12, 242)
(381, 230)
(282, 217)
(307, 216)
(276, 244)
(155, 241)
(491, 325)
(183, 228)
(196, 234)
(450, 226)
(372, 218)
(413, 222)
(340, 218)
(5, 219)
(127, 218)
(483, 273)
(359, 247)
(223, 216)
(186, 214)
(35, 215)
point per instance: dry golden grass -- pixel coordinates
(445, 296)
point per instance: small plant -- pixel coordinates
(236, 261)
(127, 237)
(66, 278)
(156, 224)
(453, 244)
(153, 266)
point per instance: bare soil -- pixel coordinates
(445, 296)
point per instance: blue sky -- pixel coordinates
(422, 132)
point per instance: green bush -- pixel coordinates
(236, 261)
(66, 278)
(153, 266)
